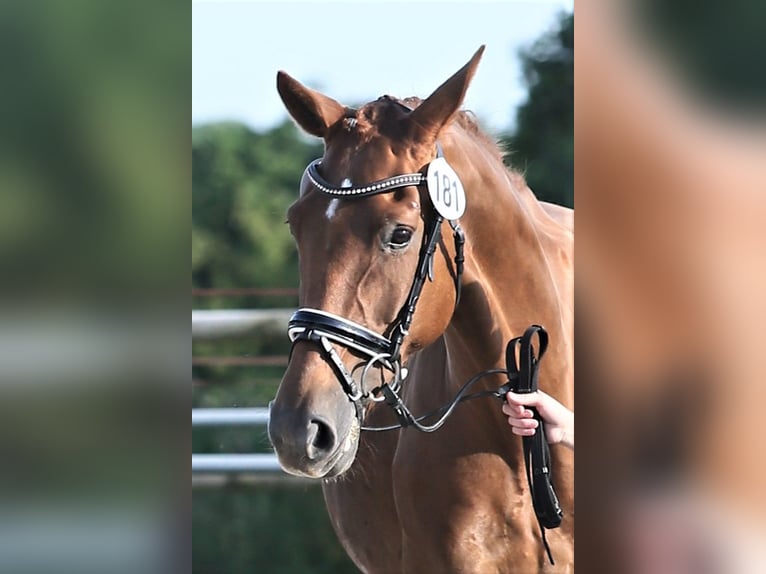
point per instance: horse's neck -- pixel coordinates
(510, 280)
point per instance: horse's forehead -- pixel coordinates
(385, 107)
(372, 141)
(384, 117)
(364, 147)
(362, 159)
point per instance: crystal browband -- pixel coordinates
(380, 186)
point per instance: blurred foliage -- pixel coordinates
(542, 146)
(279, 528)
(93, 124)
(242, 184)
(716, 47)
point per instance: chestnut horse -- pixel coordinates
(456, 500)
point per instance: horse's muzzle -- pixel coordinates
(310, 444)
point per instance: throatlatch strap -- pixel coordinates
(459, 236)
(537, 456)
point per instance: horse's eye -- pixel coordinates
(400, 238)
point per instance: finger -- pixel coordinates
(526, 399)
(522, 423)
(514, 399)
(525, 416)
(523, 432)
(517, 411)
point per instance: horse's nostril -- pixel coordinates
(320, 440)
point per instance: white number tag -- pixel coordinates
(445, 189)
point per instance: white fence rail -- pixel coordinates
(230, 417)
(218, 324)
(234, 463)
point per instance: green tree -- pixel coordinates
(242, 184)
(715, 47)
(542, 145)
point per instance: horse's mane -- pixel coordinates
(467, 120)
(370, 114)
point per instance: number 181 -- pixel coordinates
(444, 190)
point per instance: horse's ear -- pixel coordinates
(438, 109)
(313, 111)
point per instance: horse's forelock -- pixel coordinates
(381, 117)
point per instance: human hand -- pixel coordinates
(557, 419)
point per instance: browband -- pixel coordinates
(380, 186)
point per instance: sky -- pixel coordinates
(358, 51)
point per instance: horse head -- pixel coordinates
(359, 248)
